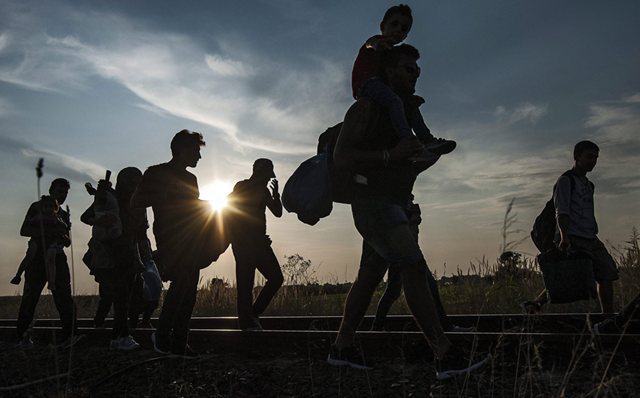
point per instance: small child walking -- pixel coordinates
(367, 81)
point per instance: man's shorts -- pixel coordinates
(386, 228)
(604, 267)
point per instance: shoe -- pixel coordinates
(458, 364)
(608, 326)
(25, 343)
(461, 329)
(158, 345)
(15, 280)
(71, 341)
(348, 356)
(440, 146)
(126, 343)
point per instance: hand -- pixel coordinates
(407, 147)
(104, 184)
(273, 184)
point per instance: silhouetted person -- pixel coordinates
(127, 251)
(173, 194)
(368, 146)
(367, 81)
(577, 229)
(36, 273)
(251, 244)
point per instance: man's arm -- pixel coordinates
(347, 153)
(562, 203)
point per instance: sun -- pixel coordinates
(216, 194)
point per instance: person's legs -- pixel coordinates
(189, 289)
(122, 289)
(245, 276)
(371, 272)
(390, 295)
(604, 269)
(63, 298)
(382, 95)
(442, 314)
(104, 303)
(269, 267)
(34, 282)
(414, 117)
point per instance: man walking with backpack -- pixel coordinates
(367, 145)
(577, 227)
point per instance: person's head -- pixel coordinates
(127, 180)
(397, 22)
(401, 70)
(185, 147)
(585, 155)
(263, 170)
(48, 206)
(59, 189)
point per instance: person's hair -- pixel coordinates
(126, 173)
(401, 9)
(584, 146)
(186, 139)
(391, 57)
(59, 182)
(50, 200)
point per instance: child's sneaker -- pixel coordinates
(25, 343)
(456, 363)
(439, 146)
(16, 280)
(348, 356)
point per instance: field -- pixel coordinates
(526, 370)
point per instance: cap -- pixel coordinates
(265, 166)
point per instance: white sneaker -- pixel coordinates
(127, 343)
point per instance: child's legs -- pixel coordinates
(414, 117)
(382, 95)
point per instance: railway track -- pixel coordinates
(301, 334)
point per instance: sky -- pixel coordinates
(91, 86)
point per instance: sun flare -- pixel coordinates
(216, 194)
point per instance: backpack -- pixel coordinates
(544, 227)
(315, 184)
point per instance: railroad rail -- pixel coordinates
(300, 334)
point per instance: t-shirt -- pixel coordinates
(249, 202)
(367, 65)
(578, 205)
(176, 206)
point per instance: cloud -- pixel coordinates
(274, 107)
(526, 112)
(59, 163)
(6, 108)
